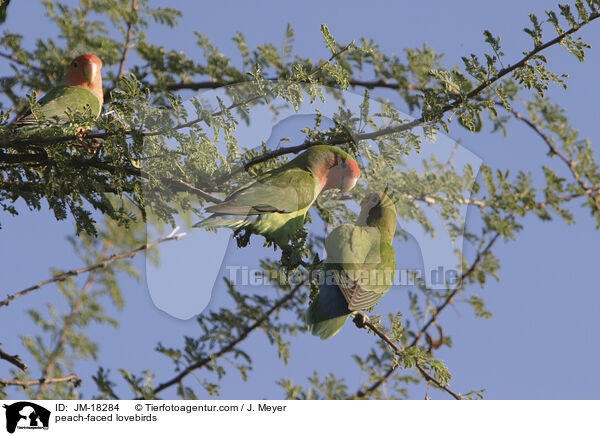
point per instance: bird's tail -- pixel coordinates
(234, 222)
(328, 312)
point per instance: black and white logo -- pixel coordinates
(26, 415)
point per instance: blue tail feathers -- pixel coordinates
(328, 312)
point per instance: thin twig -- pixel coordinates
(102, 264)
(216, 84)
(66, 328)
(127, 44)
(555, 150)
(35, 160)
(436, 382)
(185, 186)
(361, 320)
(26, 383)
(459, 286)
(16, 60)
(14, 359)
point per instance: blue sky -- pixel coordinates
(541, 342)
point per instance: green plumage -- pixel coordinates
(55, 103)
(360, 267)
(275, 205)
(357, 258)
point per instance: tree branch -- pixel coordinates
(231, 345)
(361, 320)
(16, 60)
(102, 264)
(482, 86)
(434, 317)
(14, 359)
(66, 328)
(436, 382)
(180, 184)
(591, 190)
(33, 160)
(405, 126)
(127, 44)
(365, 136)
(27, 383)
(216, 84)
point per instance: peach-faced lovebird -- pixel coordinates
(275, 205)
(82, 87)
(359, 268)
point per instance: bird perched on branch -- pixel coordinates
(82, 87)
(275, 205)
(359, 269)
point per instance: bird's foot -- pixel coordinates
(360, 320)
(242, 239)
(91, 145)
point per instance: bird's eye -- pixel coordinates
(344, 164)
(75, 64)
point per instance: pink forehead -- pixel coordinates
(88, 58)
(354, 169)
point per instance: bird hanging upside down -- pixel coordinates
(359, 269)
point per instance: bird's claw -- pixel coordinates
(91, 145)
(360, 320)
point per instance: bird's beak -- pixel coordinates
(363, 214)
(89, 72)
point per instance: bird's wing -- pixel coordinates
(280, 191)
(362, 265)
(56, 102)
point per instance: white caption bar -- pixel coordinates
(298, 417)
